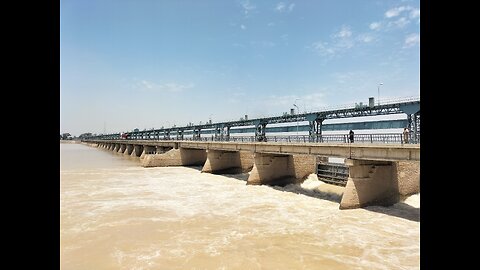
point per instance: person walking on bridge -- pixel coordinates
(405, 135)
(350, 136)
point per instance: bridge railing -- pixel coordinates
(395, 138)
(343, 138)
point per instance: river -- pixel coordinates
(115, 214)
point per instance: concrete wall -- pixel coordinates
(176, 157)
(408, 177)
(321, 159)
(272, 169)
(369, 183)
(222, 161)
(246, 160)
(147, 150)
(162, 149)
(228, 161)
(379, 182)
(304, 165)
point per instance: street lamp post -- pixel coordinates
(379, 93)
(294, 104)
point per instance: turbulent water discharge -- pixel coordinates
(116, 214)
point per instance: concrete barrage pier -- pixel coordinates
(378, 174)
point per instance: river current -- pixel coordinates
(115, 214)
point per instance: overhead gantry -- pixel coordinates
(222, 130)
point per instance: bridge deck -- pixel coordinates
(367, 151)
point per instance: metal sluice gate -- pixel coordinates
(333, 173)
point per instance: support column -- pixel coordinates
(227, 134)
(122, 148)
(416, 131)
(128, 150)
(196, 134)
(223, 131)
(260, 132)
(137, 150)
(180, 134)
(218, 135)
(319, 123)
(176, 157)
(370, 183)
(166, 135)
(312, 134)
(411, 126)
(411, 110)
(273, 169)
(228, 161)
(116, 147)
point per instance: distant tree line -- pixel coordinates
(68, 136)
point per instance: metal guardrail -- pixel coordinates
(395, 138)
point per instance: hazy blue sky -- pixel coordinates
(129, 64)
